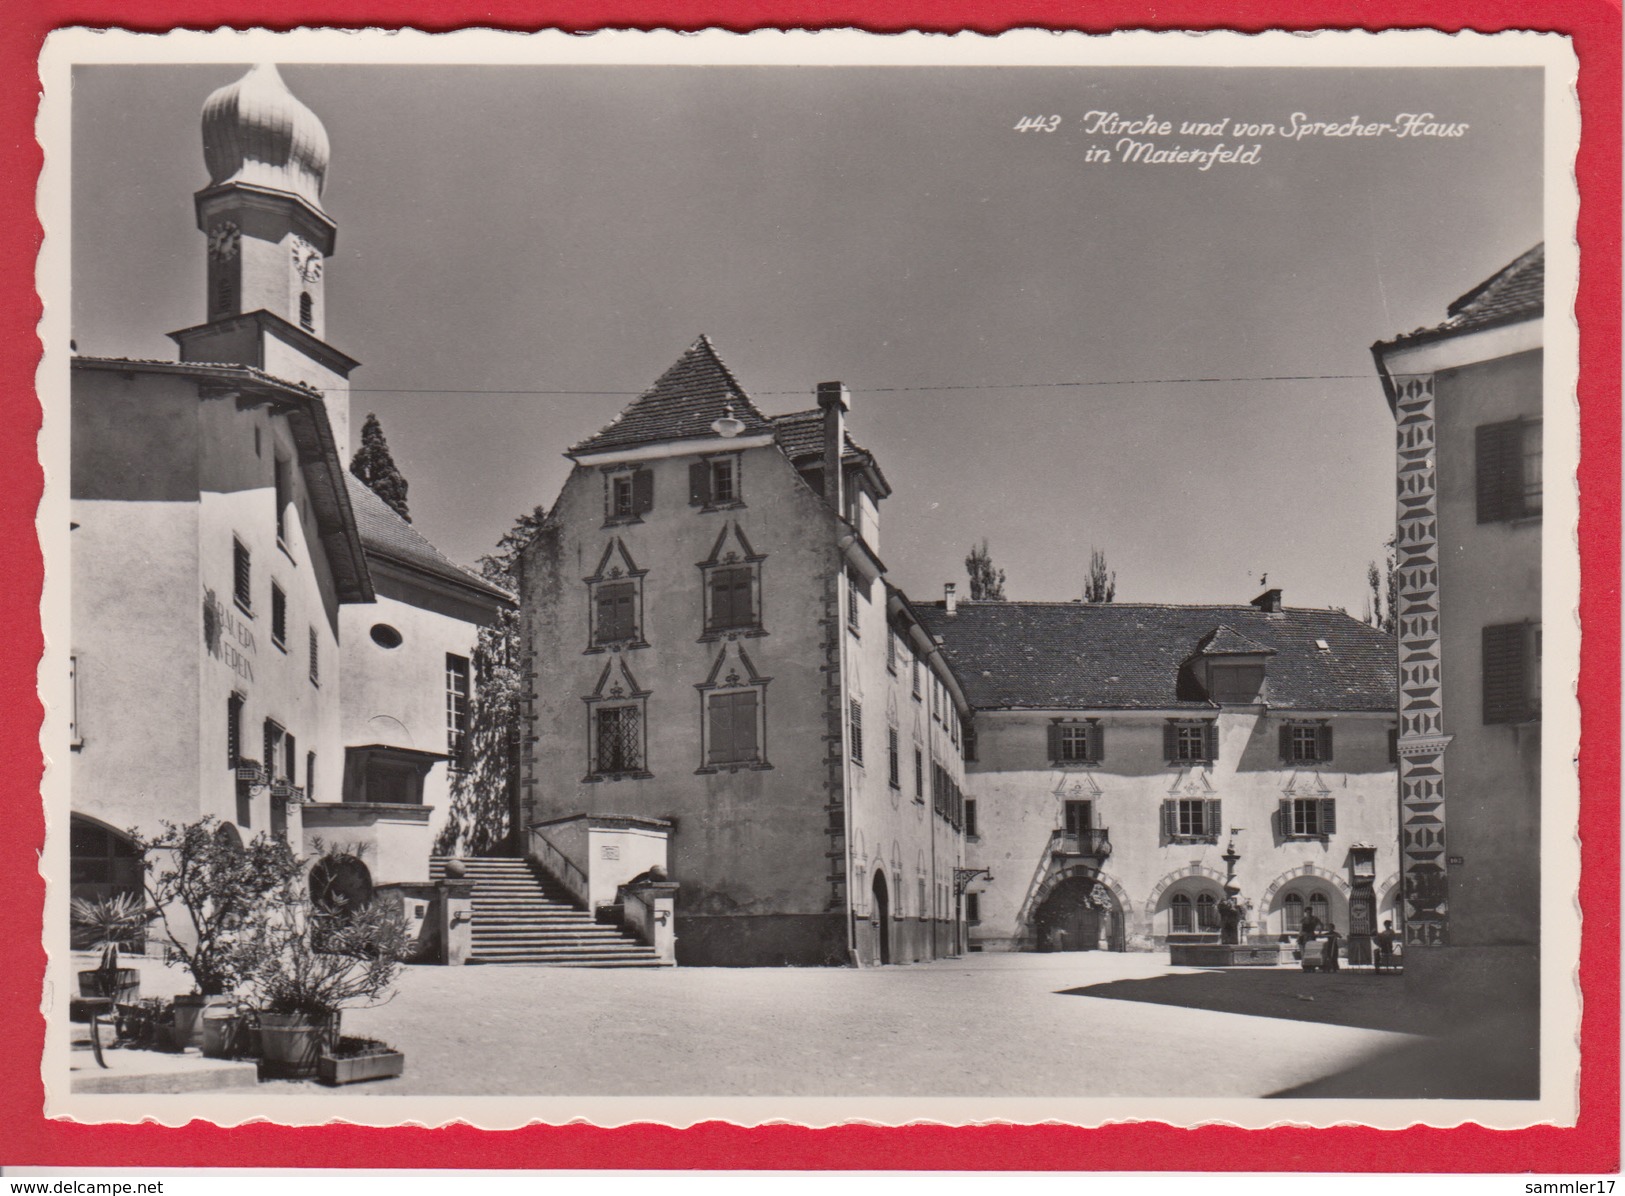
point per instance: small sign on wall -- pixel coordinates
(610, 851)
(1456, 861)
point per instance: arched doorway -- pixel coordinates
(881, 918)
(102, 863)
(1079, 914)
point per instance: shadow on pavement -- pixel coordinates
(1359, 999)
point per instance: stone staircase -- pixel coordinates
(522, 916)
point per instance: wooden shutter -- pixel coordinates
(290, 754)
(1505, 686)
(1499, 471)
(1210, 736)
(970, 743)
(1212, 819)
(1393, 745)
(1097, 742)
(643, 491)
(1055, 742)
(234, 731)
(1323, 743)
(1286, 743)
(242, 575)
(744, 612)
(722, 727)
(744, 719)
(1284, 813)
(699, 484)
(1328, 816)
(1170, 740)
(1170, 819)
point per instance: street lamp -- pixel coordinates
(964, 876)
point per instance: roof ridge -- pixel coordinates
(1497, 279)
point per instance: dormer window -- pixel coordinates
(1229, 667)
(1235, 682)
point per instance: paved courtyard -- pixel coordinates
(1095, 1024)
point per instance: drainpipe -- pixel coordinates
(834, 401)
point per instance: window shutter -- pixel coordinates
(1212, 818)
(1286, 743)
(643, 491)
(1170, 819)
(1055, 742)
(1284, 813)
(1500, 472)
(1097, 743)
(744, 711)
(1504, 682)
(1210, 735)
(1328, 815)
(1323, 743)
(1393, 745)
(722, 743)
(699, 484)
(1170, 740)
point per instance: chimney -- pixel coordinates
(950, 600)
(834, 400)
(1269, 602)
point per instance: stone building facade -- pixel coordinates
(1467, 401)
(1120, 748)
(716, 653)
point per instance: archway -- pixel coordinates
(340, 883)
(1188, 906)
(1079, 914)
(880, 915)
(102, 863)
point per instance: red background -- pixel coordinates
(1593, 1146)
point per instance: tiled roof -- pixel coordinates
(683, 403)
(386, 534)
(801, 434)
(1086, 656)
(1515, 292)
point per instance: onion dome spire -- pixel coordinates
(256, 131)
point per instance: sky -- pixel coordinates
(508, 233)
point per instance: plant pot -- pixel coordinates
(291, 1043)
(122, 984)
(189, 1016)
(334, 1069)
(225, 1033)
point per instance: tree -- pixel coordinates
(986, 582)
(1382, 604)
(1102, 584)
(374, 466)
(485, 790)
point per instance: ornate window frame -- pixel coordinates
(738, 676)
(617, 689)
(723, 557)
(615, 567)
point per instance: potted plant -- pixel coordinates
(322, 955)
(110, 923)
(212, 894)
(356, 1059)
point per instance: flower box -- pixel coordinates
(372, 1061)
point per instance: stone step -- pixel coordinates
(566, 963)
(551, 938)
(562, 953)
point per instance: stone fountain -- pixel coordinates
(1229, 951)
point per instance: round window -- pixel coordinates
(385, 636)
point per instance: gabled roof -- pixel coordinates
(385, 535)
(1227, 641)
(1127, 656)
(683, 403)
(1513, 293)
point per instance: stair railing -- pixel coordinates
(559, 866)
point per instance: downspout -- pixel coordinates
(834, 401)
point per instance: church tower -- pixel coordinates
(268, 240)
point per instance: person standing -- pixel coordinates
(1328, 956)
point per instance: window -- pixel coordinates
(1320, 907)
(1508, 470)
(242, 576)
(893, 764)
(1308, 817)
(290, 759)
(891, 651)
(1075, 742)
(733, 598)
(1207, 912)
(1078, 817)
(616, 604)
(732, 726)
(852, 608)
(919, 775)
(1181, 919)
(456, 708)
(1511, 679)
(970, 818)
(315, 658)
(385, 636)
(234, 730)
(1292, 913)
(629, 494)
(1192, 819)
(914, 670)
(274, 764)
(970, 743)
(310, 776)
(973, 907)
(854, 718)
(279, 617)
(619, 740)
(1235, 683)
(307, 312)
(282, 475)
(714, 482)
(1393, 745)
(1191, 742)
(1306, 743)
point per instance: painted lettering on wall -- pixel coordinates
(228, 638)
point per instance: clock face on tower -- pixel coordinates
(223, 240)
(306, 260)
